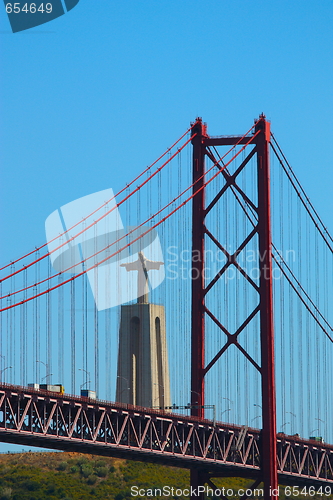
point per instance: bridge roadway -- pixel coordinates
(71, 423)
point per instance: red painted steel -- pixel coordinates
(198, 320)
(201, 147)
(198, 236)
(269, 456)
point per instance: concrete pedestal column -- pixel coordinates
(143, 369)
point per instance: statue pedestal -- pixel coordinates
(143, 370)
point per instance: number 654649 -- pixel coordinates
(31, 8)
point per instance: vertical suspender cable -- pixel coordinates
(34, 331)
(85, 288)
(73, 364)
(96, 321)
(300, 335)
(238, 313)
(96, 350)
(308, 328)
(84, 327)
(325, 351)
(61, 347)
(108, 353)
(85, 320)
(283, 307)
(49, 326)
(317, 336)
(21, 349)
(37, 312)
(291, 331)
(8, 337)
(25, 328)
(12, 333)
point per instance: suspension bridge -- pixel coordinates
(246, 288)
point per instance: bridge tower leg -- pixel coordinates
(269, 457)
(198, 325)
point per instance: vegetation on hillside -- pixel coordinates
(75, 476)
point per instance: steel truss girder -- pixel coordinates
(69, 423)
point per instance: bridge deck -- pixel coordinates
(72, 423)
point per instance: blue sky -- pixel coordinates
(90, 99)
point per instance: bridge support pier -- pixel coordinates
(198, 479)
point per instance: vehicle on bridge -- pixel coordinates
(60, 389)
(48, 387)
(87, 393)
(318, 439)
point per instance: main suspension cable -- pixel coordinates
(68, 241)
(142, 235)
(147, 220)
(306, 203)
(37, 249)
